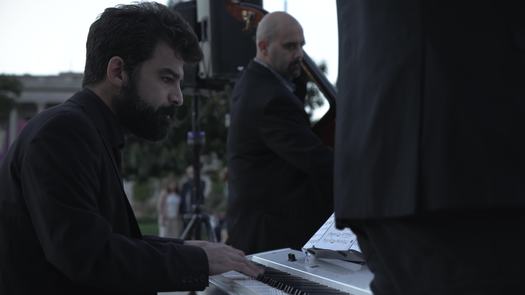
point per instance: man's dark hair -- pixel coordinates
(132, 32)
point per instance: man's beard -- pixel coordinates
(294, 69)
(139, 117)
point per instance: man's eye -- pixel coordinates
(291, 46)
(167, 79)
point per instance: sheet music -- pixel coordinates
(329, 237)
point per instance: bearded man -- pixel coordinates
(66, 226)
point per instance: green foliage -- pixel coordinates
(314, 99)
(142, 190)
(148, 226)
(216, 200)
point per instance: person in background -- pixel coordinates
(279, 170)
(429, 153)
(66, 226)
(188, 199)
(168, 208)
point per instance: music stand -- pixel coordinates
(199, 219)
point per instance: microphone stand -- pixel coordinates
(199, 220)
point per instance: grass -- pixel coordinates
(148, 226)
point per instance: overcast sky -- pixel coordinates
(48, 37)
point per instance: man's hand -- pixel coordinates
(223, 258)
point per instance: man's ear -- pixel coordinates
(115, 73)
(263, 46)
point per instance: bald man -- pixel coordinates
(280, 173)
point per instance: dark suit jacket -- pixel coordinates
(66, 226)
(186, 196)
(431, 107)
(279, 171)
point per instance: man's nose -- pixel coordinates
(299, 54)
(175, 97)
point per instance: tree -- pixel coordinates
(314, 99)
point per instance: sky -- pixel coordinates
(48, 37)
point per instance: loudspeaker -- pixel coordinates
(226, 46)
(188, 10)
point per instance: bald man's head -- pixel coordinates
(271, 22)
(280, 43)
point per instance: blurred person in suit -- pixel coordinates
(189, 197)
(279, 171)
(429, 153)
(66, 226)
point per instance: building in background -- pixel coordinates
(38, 93)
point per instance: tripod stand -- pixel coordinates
(199, 220)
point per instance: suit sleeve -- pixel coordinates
(60, 182)
(286, 130)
